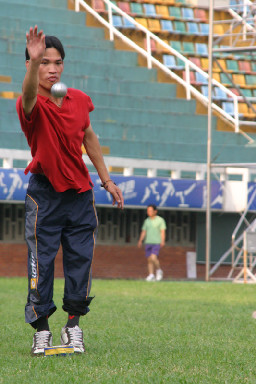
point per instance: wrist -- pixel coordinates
(106, 182)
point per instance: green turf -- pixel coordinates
(139, 332)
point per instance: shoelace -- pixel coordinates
(76, 336)
(42, 339)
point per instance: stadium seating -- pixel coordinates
(135, 115)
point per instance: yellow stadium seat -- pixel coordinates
(218, 29)
(243, 108)
(142, 21)
(216, 76)
(238, 78)
(222, 63)
(154, 25)
(162, 10)
(205, 63)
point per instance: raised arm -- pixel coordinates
(92, 146)
(36, 49)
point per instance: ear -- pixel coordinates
(27, 63)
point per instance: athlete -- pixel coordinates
(153, 232)
(60, 206)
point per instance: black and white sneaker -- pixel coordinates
(73, 336)
(41, 340)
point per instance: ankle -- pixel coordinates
(42, 324)
(73, 321)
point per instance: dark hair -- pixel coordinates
(153, 206)
(51, 42)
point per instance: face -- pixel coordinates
(50, 69)
(151, 212)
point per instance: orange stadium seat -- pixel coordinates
(98, 5)
(191, 76)
(124, 6)
(200, 14)
(244, 66)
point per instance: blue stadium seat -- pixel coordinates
(117, 21)
(149, 9)
(187, 13)
(201, 49)
(166, 25)
(192, 28)
(171, 62)
(204, 29)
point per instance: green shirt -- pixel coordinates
(153, 229)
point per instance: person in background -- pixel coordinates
(60, 207)
(153, 232)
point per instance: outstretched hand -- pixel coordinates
(35, 44)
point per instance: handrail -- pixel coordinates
(151, 60)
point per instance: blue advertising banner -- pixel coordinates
(137, 190)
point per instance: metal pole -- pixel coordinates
(209, 142)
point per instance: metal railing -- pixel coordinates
(151, 60)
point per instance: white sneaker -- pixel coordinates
(150, 277)
(41, 340)
(73, 336)
(159, 275)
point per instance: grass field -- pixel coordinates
(139, 332)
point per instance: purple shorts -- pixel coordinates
(152, 249)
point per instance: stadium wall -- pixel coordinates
(110, 261)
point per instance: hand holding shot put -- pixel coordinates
(60, 206)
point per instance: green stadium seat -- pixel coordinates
(224, 79)
(232, 65)
(175, 12)
(188, 47)
(136, 8)
(250, 80)
(180, 27)
(177, 45)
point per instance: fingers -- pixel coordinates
(117, 198)
(33, 33)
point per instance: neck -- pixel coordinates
(47, 93)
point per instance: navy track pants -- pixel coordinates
(53, 218)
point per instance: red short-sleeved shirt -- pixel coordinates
(55, 136)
